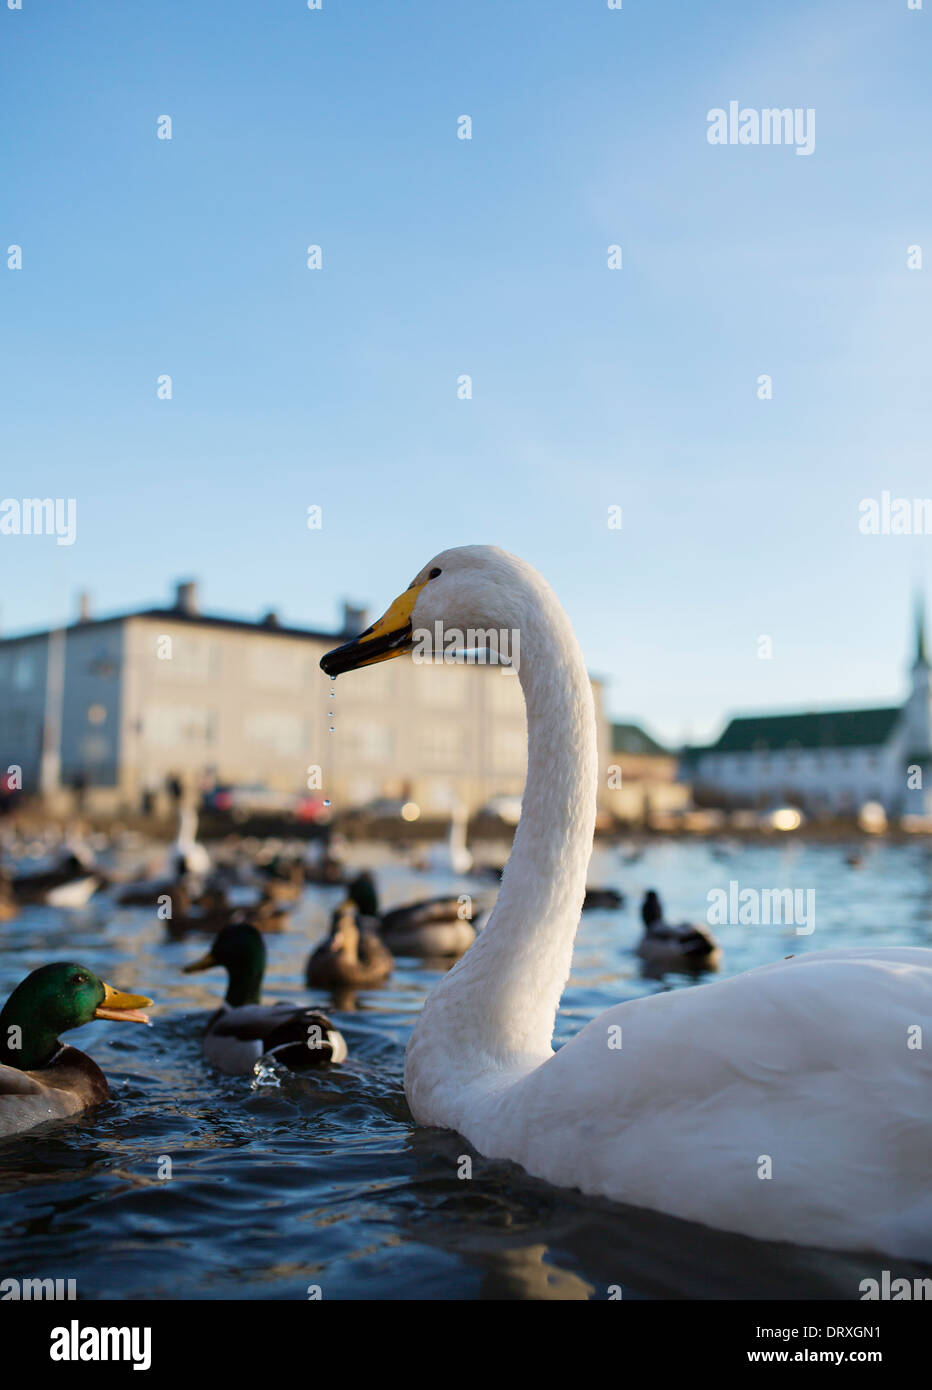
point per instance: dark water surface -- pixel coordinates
(324, 1180)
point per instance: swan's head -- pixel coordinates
(471, 587)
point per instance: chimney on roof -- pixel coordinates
(355, 619)
(186, 597)
(271, 619)
(84, 607)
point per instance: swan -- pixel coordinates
(668, 945)
(185, 860)
(188, 856)
(806, 1068)
(452, 856)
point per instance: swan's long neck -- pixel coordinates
(497, 1006)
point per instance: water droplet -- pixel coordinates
(326, 801)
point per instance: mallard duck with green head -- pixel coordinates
(244, 1029)
(439, 926)
(42, 1078)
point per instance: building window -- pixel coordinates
(24, 672)
(281, 733)
(278, 665)
(192, 658)
(370, 743)
(173, 725)
(441, 744)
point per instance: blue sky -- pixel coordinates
(591, 387)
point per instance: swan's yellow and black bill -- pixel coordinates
(388, 637)
(204, 963)
(122, 1008)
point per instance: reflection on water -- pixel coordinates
(324, 1180)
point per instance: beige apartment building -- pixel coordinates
(121, 703)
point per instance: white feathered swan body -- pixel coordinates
(806, 1063)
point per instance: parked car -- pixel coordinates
(255, 799)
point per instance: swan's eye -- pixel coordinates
(434, 572)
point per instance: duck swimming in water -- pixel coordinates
(40, 1077)
(441, 926)
(353, 954)
(675, 946)
(9, 908)
(243, 1029)
(71, 883)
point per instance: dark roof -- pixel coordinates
(631, 738)
(181, 615)
(175, 615)
(847, 728)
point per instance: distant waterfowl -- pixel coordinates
(243, 1030)
(352, 954)
(71, 883)
(668, 945)
(40, 1078)
(187, 863)
(453, 855)
(605, 898)
(608, 899)
(440, 926)
(188, 855)
(324, 859)
(9, 908)
(283, 880)
(669, 1100)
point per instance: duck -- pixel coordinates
(352, 955)
(324, 859)
(667, 1101)
(243, 1029)
(41, 1078)
(283, 880)
(605, 898)
(212, 911)
(9, 908)
(435, 927)
(608, 899)
(71, 883)
(670, 946)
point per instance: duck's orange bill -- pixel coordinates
(123, 1008)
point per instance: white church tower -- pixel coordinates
(917, 728)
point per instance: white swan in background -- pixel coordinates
(453, 856)
(672, 1101)
(188, 856)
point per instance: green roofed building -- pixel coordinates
(828, 761)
